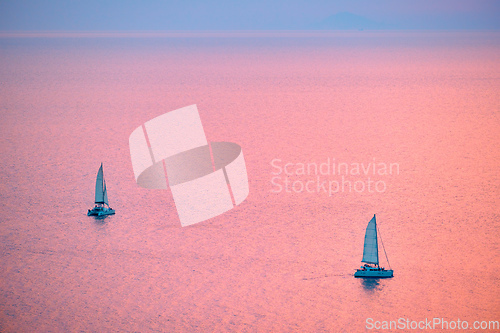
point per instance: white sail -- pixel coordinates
(99, 189)
(370, 251)
(105, 194)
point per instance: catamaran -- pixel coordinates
(371, 268)
(101, 197)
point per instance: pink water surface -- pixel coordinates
(280, 262)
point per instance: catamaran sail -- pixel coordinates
(101, 197)
(370, 250)
(370, 255)
(99, 187)
(105, 195)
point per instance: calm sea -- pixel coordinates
(426, 104)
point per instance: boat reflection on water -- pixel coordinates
(370, 284)
(101, 219)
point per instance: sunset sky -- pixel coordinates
(29, 15)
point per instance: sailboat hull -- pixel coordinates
(374, 273)
(99, 211)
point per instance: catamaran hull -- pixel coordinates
(100, 212)
(374, 274)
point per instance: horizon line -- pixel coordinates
(219, 33)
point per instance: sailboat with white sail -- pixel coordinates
(371, 268)
(101, 197)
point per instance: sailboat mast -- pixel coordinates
(102, 184)
(376, 238)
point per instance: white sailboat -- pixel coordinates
(371, 268)
(101, 197)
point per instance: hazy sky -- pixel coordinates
(238, 14)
